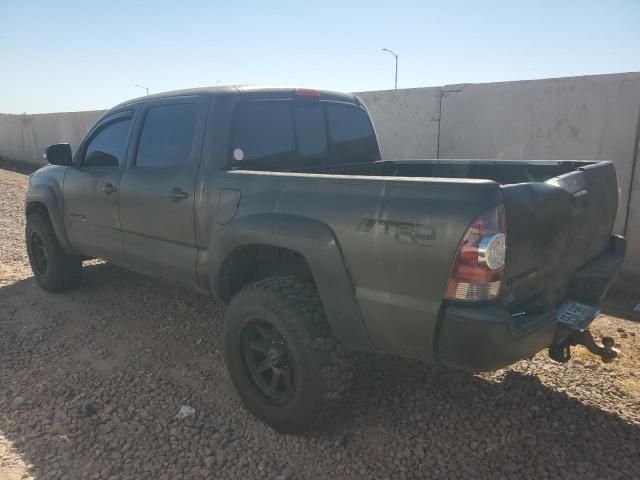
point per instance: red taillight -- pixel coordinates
(479, 265)
(306, 92)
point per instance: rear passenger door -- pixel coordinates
(158, 187)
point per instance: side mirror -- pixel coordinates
(58, 154)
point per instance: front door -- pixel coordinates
(91, 189)
(158, 188)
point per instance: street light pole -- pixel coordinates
(395, 55)
(142, 86)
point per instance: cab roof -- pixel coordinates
(251, 91)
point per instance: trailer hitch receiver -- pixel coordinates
(561, 352)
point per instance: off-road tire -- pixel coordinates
(321, 366)
(63, 270)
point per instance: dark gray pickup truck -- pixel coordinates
(277, 202)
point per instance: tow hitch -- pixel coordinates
(561, 352)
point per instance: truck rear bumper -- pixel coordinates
(489, 337)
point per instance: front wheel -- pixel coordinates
(286, 366)
(54, 269)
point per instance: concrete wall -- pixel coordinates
(581, 118)
(23, 138)
(407, 121)
(632, 262)
(587, 118)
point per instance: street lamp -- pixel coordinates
(142, 86)
(395, 55)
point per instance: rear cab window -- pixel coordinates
(350, 130)
(291, 134)
(263, 131)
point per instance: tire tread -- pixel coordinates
(313, 329)
(65, 270)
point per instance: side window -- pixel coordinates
(107, 147)
(167, 135)
(262, 131)
(350, 131)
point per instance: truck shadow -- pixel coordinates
(92, 381)
(509, 420)
(622, 302)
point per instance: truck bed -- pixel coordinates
(501, 171)
(559, 218)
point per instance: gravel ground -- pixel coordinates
(91, 382)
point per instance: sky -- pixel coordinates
(88, 55)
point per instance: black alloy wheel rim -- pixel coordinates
(39, 253)
(267, 361)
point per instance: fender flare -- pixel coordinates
(317, 243)
(44, 194)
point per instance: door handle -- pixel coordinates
(176, 194)
(108, 189)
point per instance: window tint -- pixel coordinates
(292, 134)
(107, 147)
(262, 130)
(167, 135)
(310, 129)
(350, 131)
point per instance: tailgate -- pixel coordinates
(554, 228)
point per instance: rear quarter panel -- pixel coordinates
(397, 237)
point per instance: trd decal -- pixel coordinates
(402, 231)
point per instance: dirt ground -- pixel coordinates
(91, 382)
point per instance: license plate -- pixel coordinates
(576, 315)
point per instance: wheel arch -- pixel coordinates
(309, 247)
(41, 197)
(251, 263)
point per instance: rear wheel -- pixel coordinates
(286, 366)
(54, 269)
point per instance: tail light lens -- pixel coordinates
(479, 265)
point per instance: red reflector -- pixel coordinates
(306, 92)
